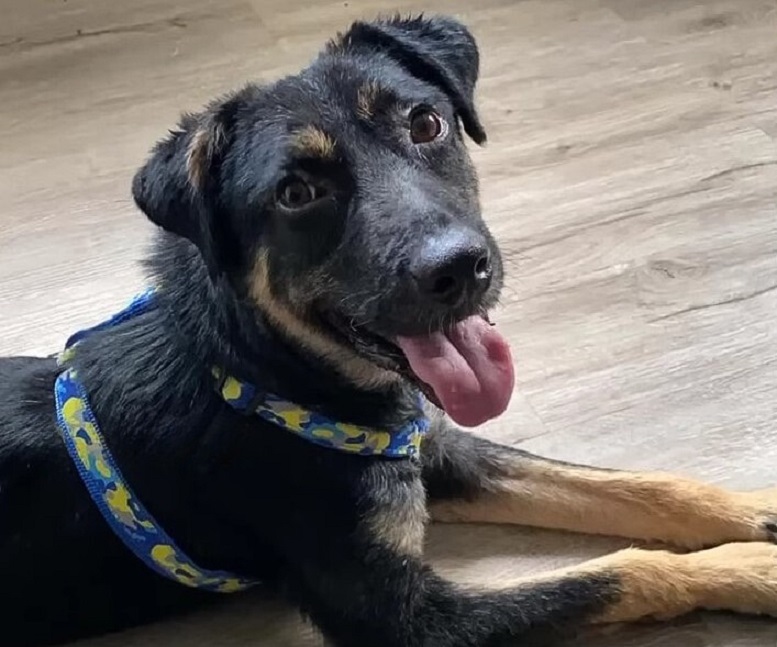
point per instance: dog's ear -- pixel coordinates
(438, 50)
(177, 187)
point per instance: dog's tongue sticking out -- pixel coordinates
(469, 368)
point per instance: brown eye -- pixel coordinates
(295, 193)
(425, 126)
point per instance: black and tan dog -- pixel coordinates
(323, 239)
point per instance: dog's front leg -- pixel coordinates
(387, 599)
(470, 479)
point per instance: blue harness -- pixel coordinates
(132, 521)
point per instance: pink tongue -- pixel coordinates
(469, 368)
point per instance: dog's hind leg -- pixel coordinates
(469, 479)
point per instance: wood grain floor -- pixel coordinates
(631, 178)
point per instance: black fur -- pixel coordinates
(236, 493)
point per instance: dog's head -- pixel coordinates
(343, 203)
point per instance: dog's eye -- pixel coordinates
(425, 126)
(294, 193)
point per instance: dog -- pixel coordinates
(287, 404)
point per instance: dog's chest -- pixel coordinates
(396, 516)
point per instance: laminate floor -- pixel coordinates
(631, 178)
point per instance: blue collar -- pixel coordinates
(317, 428)
(130, 520)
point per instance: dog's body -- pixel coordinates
(318, 214)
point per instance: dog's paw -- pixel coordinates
(760, 511)
(722, 517)
(738, 577)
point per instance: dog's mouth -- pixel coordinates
(466, 368)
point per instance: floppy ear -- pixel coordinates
(438, 50)
(176, 188)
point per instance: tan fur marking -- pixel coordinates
(314, 142)
(293, 323)
(635, 505)
(657, 584)
(402, 526)
(205, 141)
(197, 158)
(366, 97)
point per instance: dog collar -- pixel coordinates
(127, 516)
(317, 428)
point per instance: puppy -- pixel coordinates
(282, 408)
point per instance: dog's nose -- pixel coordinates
(452, 267)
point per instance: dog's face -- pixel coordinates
(342, 200)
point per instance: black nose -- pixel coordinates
(454, 266)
